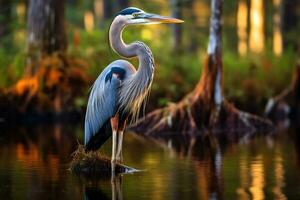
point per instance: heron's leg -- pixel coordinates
(119, 151)
(120, 141)
(114, 124)
(114, 142)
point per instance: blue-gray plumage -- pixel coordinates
(120, 90)
(103, 101)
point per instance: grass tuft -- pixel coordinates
(94, 163)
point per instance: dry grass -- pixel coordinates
(93, 163)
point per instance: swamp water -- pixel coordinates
(34, 165)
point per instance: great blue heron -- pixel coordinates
(120, 89)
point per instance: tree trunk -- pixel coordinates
(46, 28)
(5, 18)
(205, 109)
(50, 73)
(107, 9)
(290, 21)
(176, 6)
(121, 4)
(192, 26)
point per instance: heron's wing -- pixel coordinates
(102, 105)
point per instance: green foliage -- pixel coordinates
(257, 76)
(11, 67)
(245, 77)
(249, 76)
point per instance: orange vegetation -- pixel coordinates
(56, 82)
(26, 85)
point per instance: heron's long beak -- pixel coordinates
(162, 19)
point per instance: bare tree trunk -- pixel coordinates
(212, 80)
(205, 109)
(107, 9)
(46, 28)
(121, 4)
(176, 6)
(191, 17)
(50, 73)
(5, 17)
(290, 20)
(46, 35)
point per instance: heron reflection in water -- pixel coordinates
(94, 191)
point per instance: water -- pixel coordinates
(34, 163)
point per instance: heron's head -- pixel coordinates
(134, 15)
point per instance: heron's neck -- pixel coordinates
(135, 49)
(135, 89)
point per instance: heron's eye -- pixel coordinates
(135, 15)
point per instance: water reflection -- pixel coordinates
(34, 162)
(97, 189)
(31, 159)
(216, 164)
(242, 190)
(258, 181)
(207, 157)
(279, 177)
(116, 188)
(92, 193)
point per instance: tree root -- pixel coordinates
(286, 105)
(190, 117)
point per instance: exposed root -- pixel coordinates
(286, 104)
(237, 120)
(174, 118)
(193, 118)
(93, 163)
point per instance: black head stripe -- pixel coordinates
(119, 71)
(115, 70)
(129, 11)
